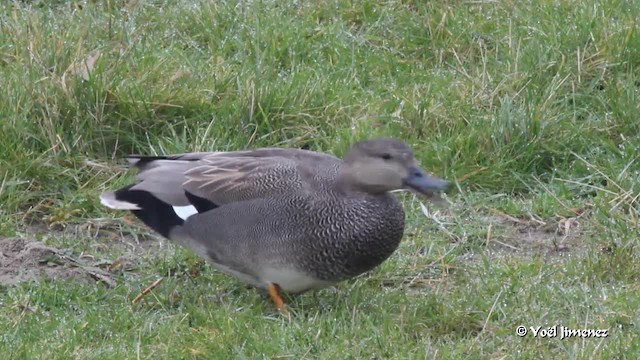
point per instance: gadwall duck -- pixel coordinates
(278, 218)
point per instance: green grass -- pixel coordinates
(531, 108)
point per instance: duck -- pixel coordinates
(280, 219)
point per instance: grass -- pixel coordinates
(531, 108)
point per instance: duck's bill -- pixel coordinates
(423, 183)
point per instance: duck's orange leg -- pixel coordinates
(274, 292)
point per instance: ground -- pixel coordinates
(26, 258)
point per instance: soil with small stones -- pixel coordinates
(26, 259)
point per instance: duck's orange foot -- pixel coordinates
(274, 292)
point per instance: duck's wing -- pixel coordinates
(226, 177)
(171, 188)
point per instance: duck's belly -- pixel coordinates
(292, 280)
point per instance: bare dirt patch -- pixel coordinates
(27, 259)
(558, 236)
(126, 236)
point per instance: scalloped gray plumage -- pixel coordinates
(280, 218)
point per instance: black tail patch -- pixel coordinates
(144, 160)
(155, 213)
(201, 204)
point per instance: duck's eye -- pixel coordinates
(386, 156)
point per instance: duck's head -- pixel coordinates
(382, 165)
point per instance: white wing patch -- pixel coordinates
(185, 211)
